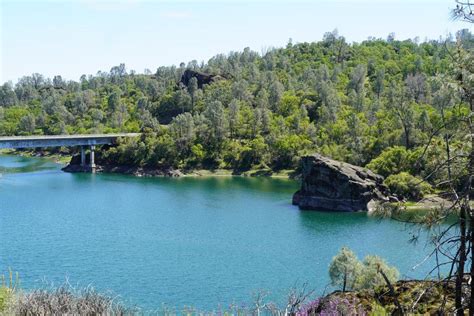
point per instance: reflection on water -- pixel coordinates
(19, 164)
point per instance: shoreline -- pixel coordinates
(65, 162)
(57, 158)
(178, 173)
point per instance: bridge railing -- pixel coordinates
(14, 142)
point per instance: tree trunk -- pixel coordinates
(448, 151)
(448, 156)
(468, 202)
(399, 310)
(471, 301)
(406, 130)
(345, 281)
(461, 263)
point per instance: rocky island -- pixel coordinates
(331, 185)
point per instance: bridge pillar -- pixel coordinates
(83, 156)
(92, 159)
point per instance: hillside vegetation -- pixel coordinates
(375, 103)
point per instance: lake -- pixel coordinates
(202, 242)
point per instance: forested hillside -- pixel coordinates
(374, 102)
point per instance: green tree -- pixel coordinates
(405, 185)
(371, 274)
(215, 116)
(7, 95)
(234, 119)
(403, 109)
(192, 90)
(182, 128)
(345, 269)
(394, 160)
(28, 124)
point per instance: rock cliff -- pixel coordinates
(202, 78)
(330, 185)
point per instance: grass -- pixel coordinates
(67, 300)
(5, 297)
(62, 300)
(209, 173)
(263, 172)
(7, 152)
(417, 210)
(8, 287)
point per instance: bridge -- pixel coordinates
(92, 140)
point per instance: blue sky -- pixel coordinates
(72, 38)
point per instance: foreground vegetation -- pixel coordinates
(370, 287)
(62, 300)
(415, 297)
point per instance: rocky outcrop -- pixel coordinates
(202, 78)
(74, 166)
(330, 185)
(130, 170)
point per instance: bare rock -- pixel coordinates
(202, 78)
(331, 185)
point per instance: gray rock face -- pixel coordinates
(202, 78)
(330, 185)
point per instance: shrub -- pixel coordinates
(5, 297)
(407, 186)
(7, 290)
(394, 160)
(370, 276)
(346, 269)
(67, 300)
(332, 306)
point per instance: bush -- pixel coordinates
(370, 276)
(332, 306)
(5, 297)
(66, 300)
(407, 186)
(7, 290)
(346, 270)
(394, 160)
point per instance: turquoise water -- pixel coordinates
(190, 241)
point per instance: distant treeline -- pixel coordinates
(379, 99)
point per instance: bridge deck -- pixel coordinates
(61, 140)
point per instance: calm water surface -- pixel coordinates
(189, 241)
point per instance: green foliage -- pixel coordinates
(371, 277)
(287, 148)
(348, 273)
(8, 287)
(289, 104)
(5, 297)
(377, 309)
(345, 269)
(377, 101)
(405, 185)
(394, 160)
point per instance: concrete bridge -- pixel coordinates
(14, 142)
